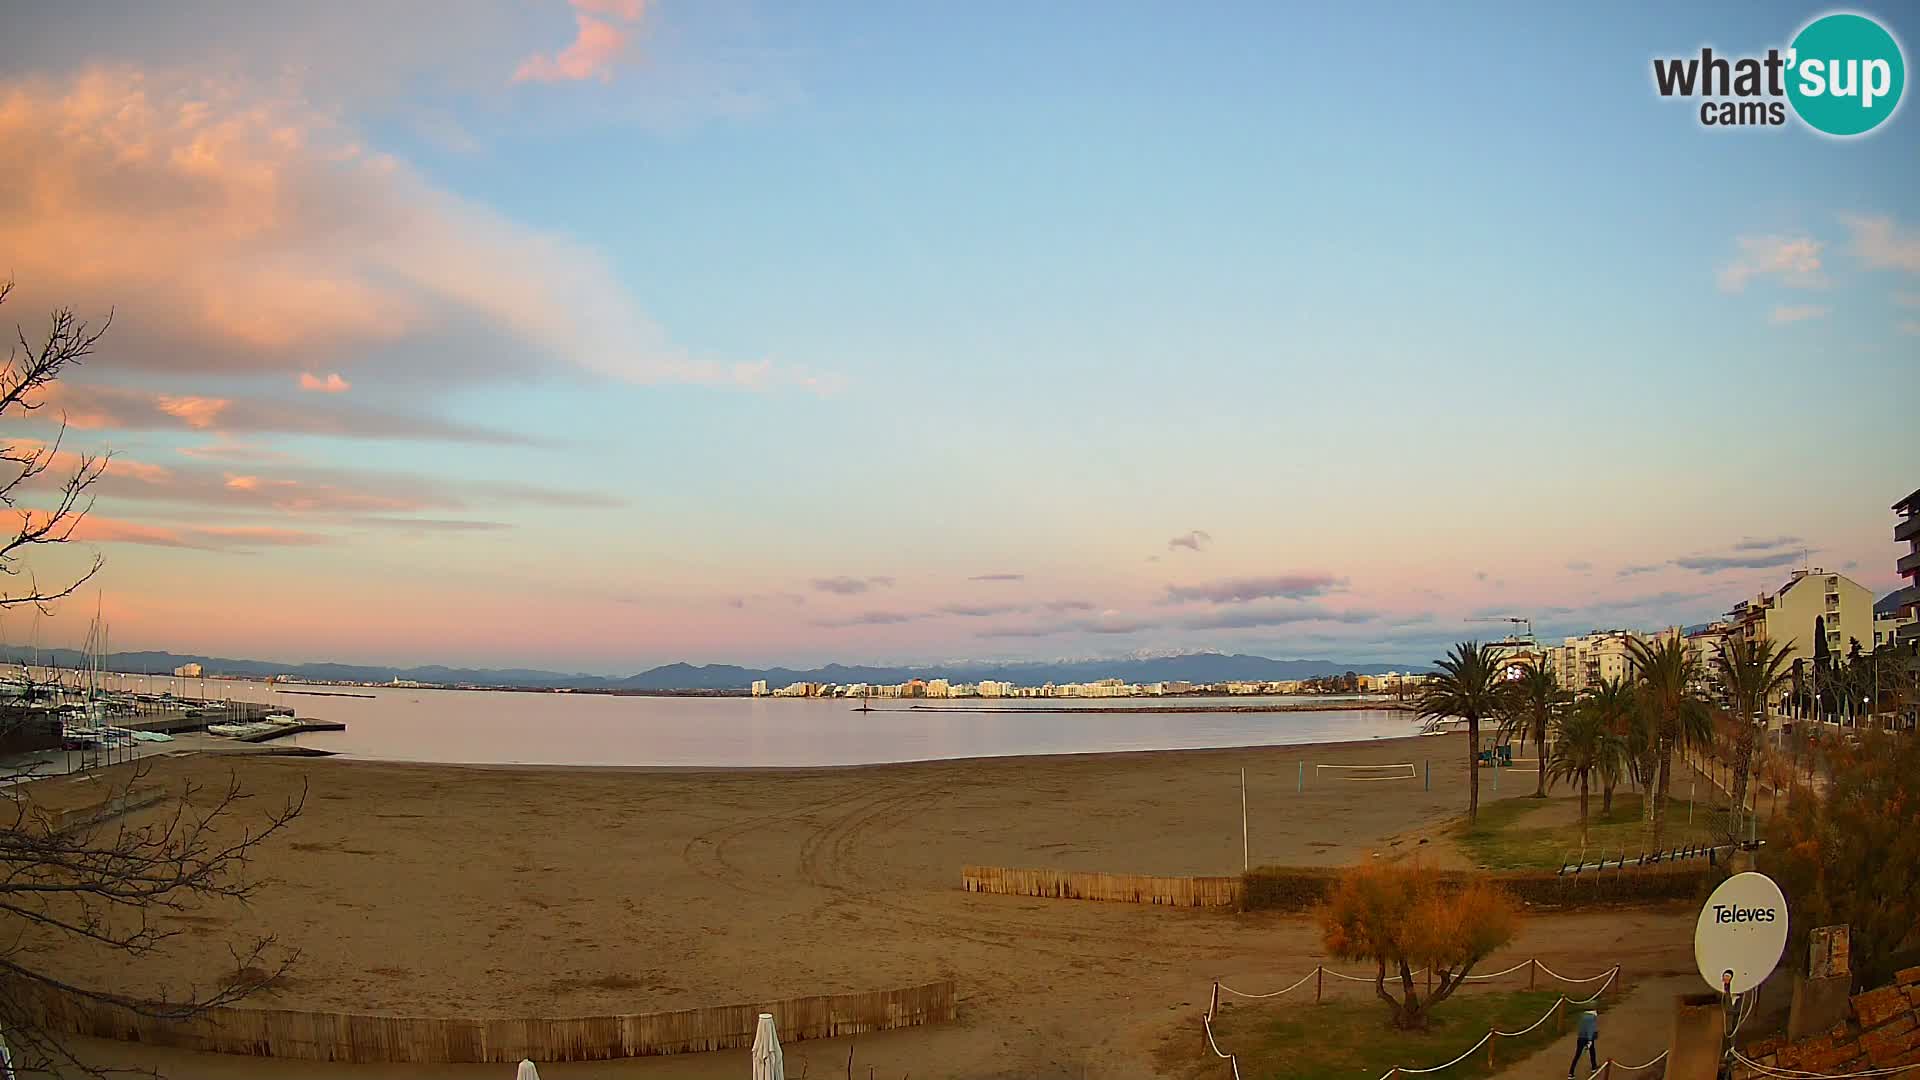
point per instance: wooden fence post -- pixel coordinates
(1206, 1037)
(1319, 982)
(1533, 969)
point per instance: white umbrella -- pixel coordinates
(526, 1071)
(767, 1063)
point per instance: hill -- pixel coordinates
(1200, 667)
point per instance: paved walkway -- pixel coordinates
(1632, 1031)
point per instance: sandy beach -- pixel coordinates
(446, 890)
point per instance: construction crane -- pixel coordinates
(1517, 620)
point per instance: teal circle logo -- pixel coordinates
(1846, 73)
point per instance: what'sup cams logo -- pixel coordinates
(1842, 76)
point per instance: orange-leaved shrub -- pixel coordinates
(1403, 918)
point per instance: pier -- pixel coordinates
(196, 715)
(281, 731)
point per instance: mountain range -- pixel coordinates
(1203, 667)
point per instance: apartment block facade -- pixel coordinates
(1907, 531)
(1842, 605)
(1583, 663)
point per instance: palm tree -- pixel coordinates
(1667, 673)
(1583, 746)
(1531, 702)
(1613, 700)
(1467, 686)
(1749, 671)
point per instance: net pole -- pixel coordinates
(1246, 861)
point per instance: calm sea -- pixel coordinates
(491, 727)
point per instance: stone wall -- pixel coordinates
(1882, 1032)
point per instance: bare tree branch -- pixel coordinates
(98, 886)
(28, 368)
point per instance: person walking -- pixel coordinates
(1589, 1035)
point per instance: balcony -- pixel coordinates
(1907, 529)
(1908, 566)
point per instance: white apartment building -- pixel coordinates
(1582, 663)
(759, 688)
(1842, 605)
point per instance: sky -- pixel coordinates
(604, 334)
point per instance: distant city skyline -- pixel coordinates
(623, 333)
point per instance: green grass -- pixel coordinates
(1503, 839)
(1353, 1039)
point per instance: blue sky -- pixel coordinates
(688, 313)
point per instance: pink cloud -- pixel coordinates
(98, 530)
(138, 470)
(244, 535)
(597, 45)
(332, 384)
(306, 491)
(315, 491)
(63, 462)
(1882, 243)
(91, 407)
(238, 229)
(1792, 260)
(196, 412)
(225, 450)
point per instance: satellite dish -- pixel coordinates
(1741, 933)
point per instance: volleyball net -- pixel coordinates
(1400, 771)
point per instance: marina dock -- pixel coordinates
(283, 730)
(191, 715)
(195, 716)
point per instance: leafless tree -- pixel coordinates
(31, 367)
(100, 885)
(103, 881)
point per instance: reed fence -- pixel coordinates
(367, 1039)
(1118, 888)
(1285, 888)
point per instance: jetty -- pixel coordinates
(281, 731)
(261, 723)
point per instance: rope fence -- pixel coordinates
(1535, 968)
(1322, 971)
(1796, 1074)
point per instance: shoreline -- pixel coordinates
(1409, 741)
(1336, 705)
